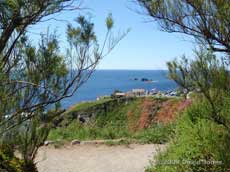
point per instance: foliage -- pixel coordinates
(86, 105)
(114, 124)
(35, 78)
(156, 133)
(179, 72)
(40, 77)
(106, 126)
(109, 21)
(32, 134)
(205, 148)
(202, 134)
(205, 74)
(8, 162)
(205, 20)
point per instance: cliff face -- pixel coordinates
(147, 119)
(142, 115)
(90, 111)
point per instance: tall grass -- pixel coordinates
(114, 125)
(199, 145)
(106, 126)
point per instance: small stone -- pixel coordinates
(47, 142)
(75, 142)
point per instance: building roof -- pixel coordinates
(138, 90)
(120, 94)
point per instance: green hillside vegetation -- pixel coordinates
(199, 143)
(114, 124)
(87, 105)
(201, 140)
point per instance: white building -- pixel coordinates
(138, 92)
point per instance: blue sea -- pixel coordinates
(104, 82)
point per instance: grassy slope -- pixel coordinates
(199, 144)
(113, 125)
(85, 105)
(195, 137)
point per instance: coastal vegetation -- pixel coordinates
(141, 120)
(36, 75)
(201, 140)
(87, 105)
(199, 143)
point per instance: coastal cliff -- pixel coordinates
(149, 120)
(89, 110)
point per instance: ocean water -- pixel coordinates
(104, 82)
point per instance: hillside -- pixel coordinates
(145, 120)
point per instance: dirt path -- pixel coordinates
(97, 158)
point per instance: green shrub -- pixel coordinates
(114, 125)
(157, 133)
(8, 162)
(199, 145)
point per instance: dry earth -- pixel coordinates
(97, 158)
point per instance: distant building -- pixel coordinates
(173, 93)
(119, 94)
(138, 92)
(129, 94)
(153, 91)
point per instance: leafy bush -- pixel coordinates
(199, 144)
(157, 133)
(115, 124)
(8, 162)
(76, 130)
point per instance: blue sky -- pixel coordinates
(145, 47)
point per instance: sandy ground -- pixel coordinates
(96, 158)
